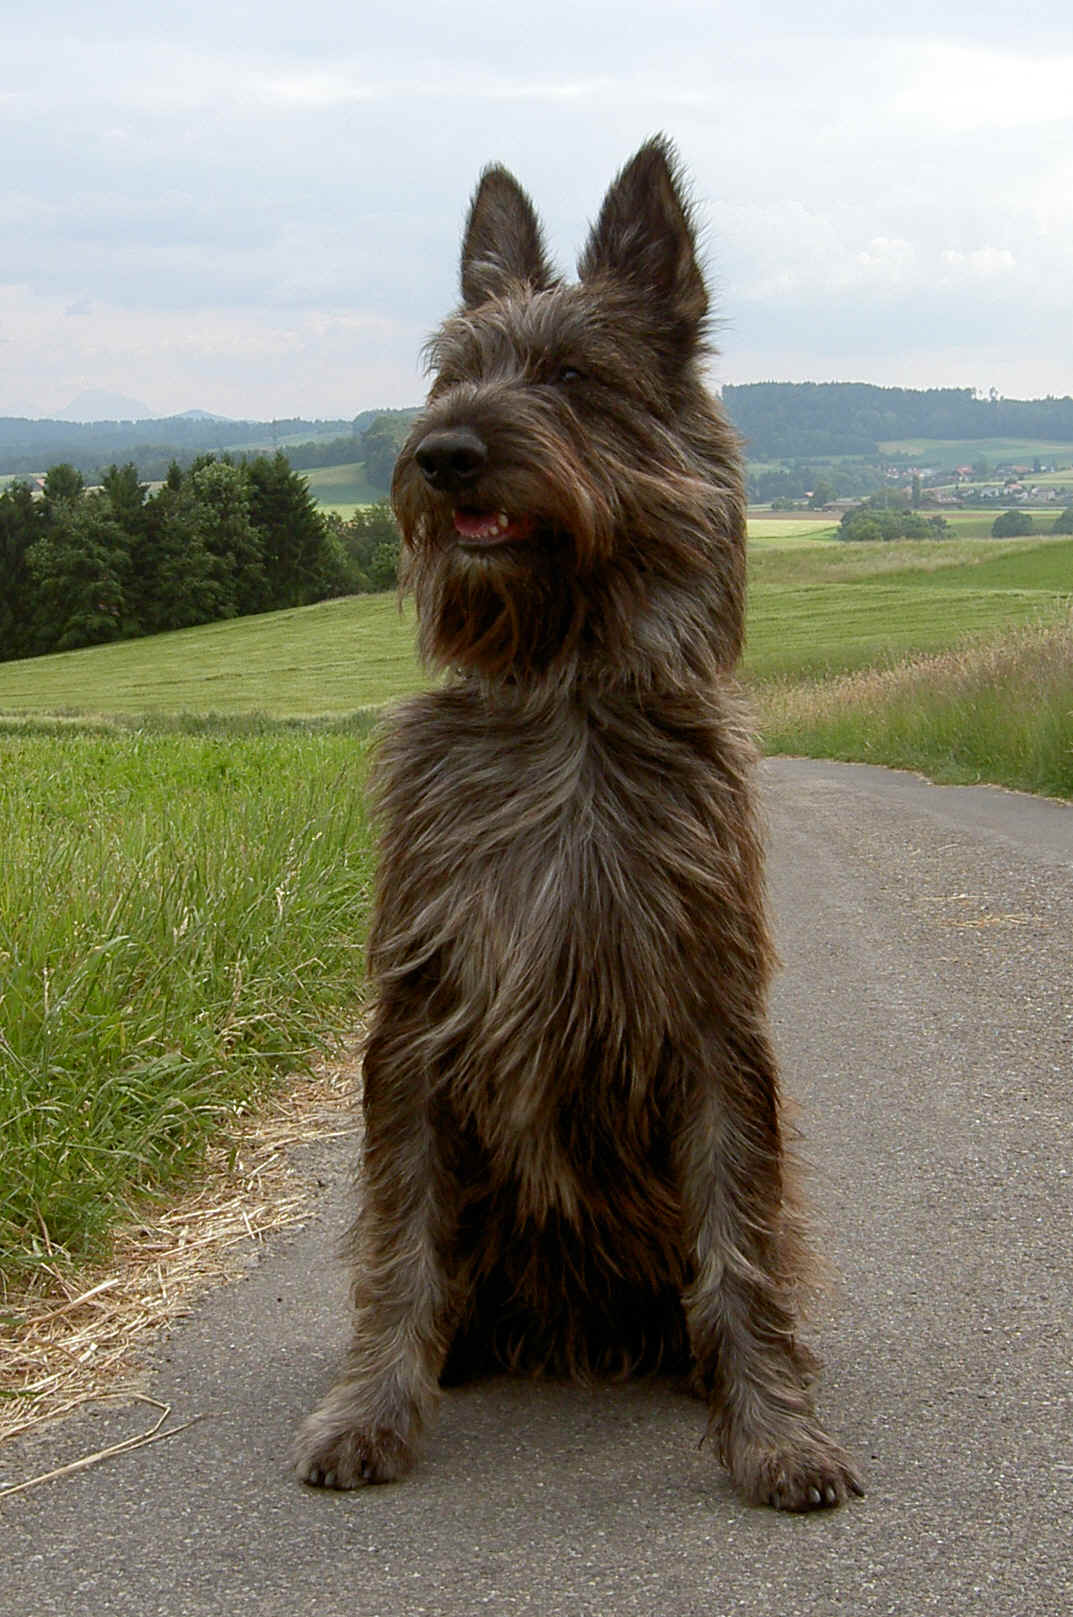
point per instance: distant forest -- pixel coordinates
(780, 421)
(151, 447)
(795, 420)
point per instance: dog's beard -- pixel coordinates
(501, 606)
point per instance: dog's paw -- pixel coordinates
(813, 1483)
(813, 1473)
(332, 1456)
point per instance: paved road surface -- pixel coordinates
(925, 1016)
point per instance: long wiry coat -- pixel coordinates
(573, 1156)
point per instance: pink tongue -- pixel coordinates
(483, 526)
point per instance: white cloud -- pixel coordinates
(981, 264)
(213, 185)
(965, 88)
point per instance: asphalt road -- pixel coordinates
(925, 1020)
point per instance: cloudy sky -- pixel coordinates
(255, 209)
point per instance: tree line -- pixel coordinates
(80, 566)
(784, 420)
(151, 446)
(891, 515)
(792, 484)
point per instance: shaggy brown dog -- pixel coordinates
(573, 1158)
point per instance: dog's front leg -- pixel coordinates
(749, 1259)
(367, 1428)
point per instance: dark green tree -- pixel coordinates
(1063, 522)
(887, 516)
(384, 565)
(300, 566)
(81, 567)
(175, 579)
(865, 528)
(372, 542)
(355, 580)
(125, 494)
(62, 482)
(1011, 524)
(21, 524)
(219, 510)
(126, 499)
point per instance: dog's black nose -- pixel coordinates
(451, 458)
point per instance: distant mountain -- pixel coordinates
(200, 415)
(98, 404)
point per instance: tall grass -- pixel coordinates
(1001, 711)
(181, 917)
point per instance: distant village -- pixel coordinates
(1013, 488)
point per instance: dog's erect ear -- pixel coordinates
(503, 243)
(645, 234)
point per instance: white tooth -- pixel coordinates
(503, 521)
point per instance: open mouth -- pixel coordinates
(486, 528)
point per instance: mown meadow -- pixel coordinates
(342, 488)
(185, 856)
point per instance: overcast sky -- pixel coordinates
(255, 209)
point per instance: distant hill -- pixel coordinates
(784, 420)
(98, 404)
(33, 445)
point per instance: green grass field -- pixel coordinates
(184, 883)
(341, 488)
(332, 658)
(963, 451)
(978, 524)
(786, 533)
(826, 611)
(778, 532)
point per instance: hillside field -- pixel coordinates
(341, 488)
(332, 658)
(966, 450)
(815, 610)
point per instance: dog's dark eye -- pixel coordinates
(567, 374)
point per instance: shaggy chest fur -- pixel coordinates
(557, 909)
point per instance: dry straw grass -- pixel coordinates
(77, 1338)
(1042, 648)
